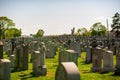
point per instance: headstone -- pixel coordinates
(36, 62)
(88, 54)
(68, 56)
(42, 67)
(4, 69)
(1, 50)
(108, 61)
(51, 50)
(12, 59)
(96, 59)
(67, 71)
(75, 46)
(117, 70)
(1, 44)
(34, 47)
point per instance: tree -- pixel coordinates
(5, 22)
(40, 33)
(12, 32)
(116, 24)
(82, 32)
(98, 29)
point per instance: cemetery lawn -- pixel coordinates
(52, 66)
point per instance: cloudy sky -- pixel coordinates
(58, 16)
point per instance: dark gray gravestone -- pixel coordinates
(17, 57)
(1, 50)
(117, 71)
(67, 71)
(88, 54)
(108, 61)
(1, 44)
(96, 59)
(4, 69)
(42, 67)
(36, 63)
(51, 50)
(68, 56)
(12, 59)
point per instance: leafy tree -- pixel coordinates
(98, 29)
(116, 24)
(12, 32)
(82, 32)
(40, 33)
(5, 22)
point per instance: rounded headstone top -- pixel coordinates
(108, 51)
(71, 51)
(98, 47)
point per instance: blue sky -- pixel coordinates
(57, 16)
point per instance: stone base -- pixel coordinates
(107, 69)
(117, 72)
(96, 69)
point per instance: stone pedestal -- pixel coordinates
(67, 71)
(4, 69)
(96, 59)
(108, 61)
(68, 56)
(88, 55)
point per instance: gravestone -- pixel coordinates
(4, 69)
(75, 46)
(21, 57)
(36, 62)
(1, 50)
(108, 61)
(96, 59)
(68, 56)
(42, 67)
(67, 71)
(17, 57)
(1, 44)
(51, 50)
(117, 70)
(12, 59)
(34, 47)
(88, 54)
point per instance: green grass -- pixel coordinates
(52, 66)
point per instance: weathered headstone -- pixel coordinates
(75, 46)
(4, 69)
(117, 70)
(88, 54)
(96, 59)
(42, 67)
(1, 44)
(108, 61)
(67, 71)
(12, 59)
(36, 62)
(68, 56)
(51, 50)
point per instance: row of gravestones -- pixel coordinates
(95, 55)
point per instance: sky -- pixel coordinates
(57, 17)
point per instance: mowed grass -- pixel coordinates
(52, 64)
